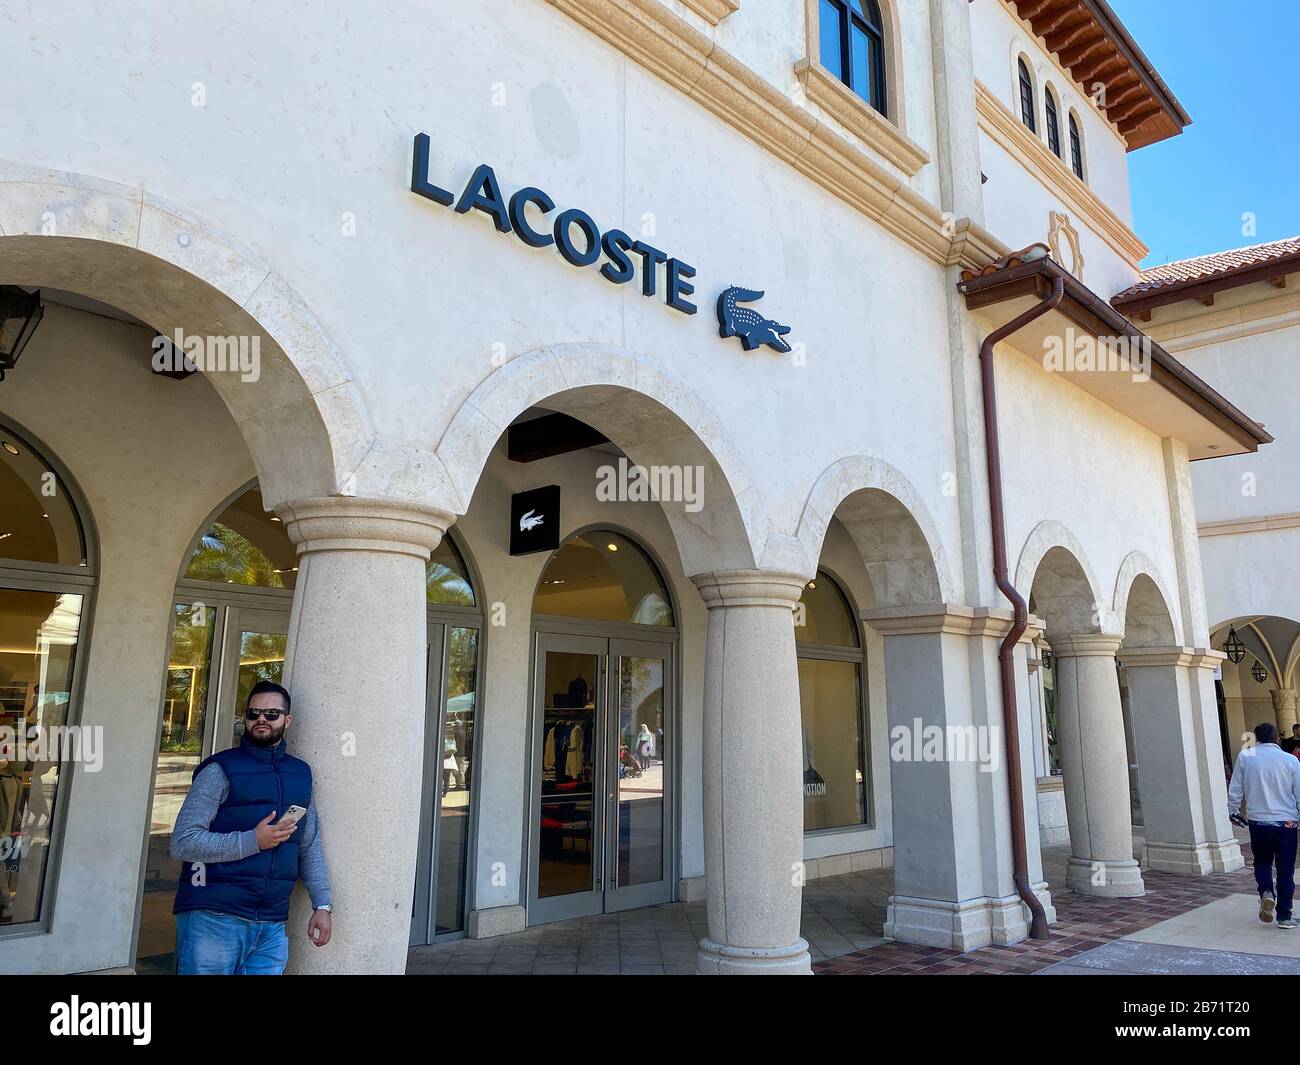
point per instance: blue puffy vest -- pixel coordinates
(258, 887)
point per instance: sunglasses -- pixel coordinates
(270, 715)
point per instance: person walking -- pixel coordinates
(1266, 781)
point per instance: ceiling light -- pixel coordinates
(20, 313)
(11, 448)
(612, 547)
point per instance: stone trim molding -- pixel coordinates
(859, 117)
(947, 618)
(1025, 147)
(742, 588)
(712, 11)
(343, 523)
(1206, 658)
(666, 45)
(1141, 657)
(1236, 526)
(1086, 645)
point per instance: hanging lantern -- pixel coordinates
(20, 314)
(1233, 647)
(1259, 672)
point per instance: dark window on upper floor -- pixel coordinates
(1076, 149)
(1053, 124)
(1026, 97)
(853, 47)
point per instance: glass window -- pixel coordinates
(39, 632)
(1049, 716)
(1076, 149)
(825, 615)
(831, 707)
(447, 580)
(1026, 96)
(38, 521)
(852, 47)
(247, 546)
(834, 785)
(1053, 124)
(457, 768)
(603, 576)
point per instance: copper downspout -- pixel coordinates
(1006, 652)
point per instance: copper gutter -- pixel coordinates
(1006, 652)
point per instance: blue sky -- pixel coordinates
(1233, 68)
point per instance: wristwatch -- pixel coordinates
(327, 908)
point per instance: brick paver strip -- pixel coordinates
(1083, 922)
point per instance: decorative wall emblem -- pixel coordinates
(746, 323)
(1060, 227)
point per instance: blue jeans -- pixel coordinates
(220, 944)
(1273, 843)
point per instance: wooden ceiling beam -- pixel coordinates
(1076, 53)
(1137, 118)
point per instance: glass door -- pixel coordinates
(568, 778)
(217, 654)
(443, 858)
(639, 823)
(601, 820)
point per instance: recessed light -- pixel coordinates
(44, 515)
(812, 585)
(5, 536)
(612, 547)
(274, 518)
(11, 448)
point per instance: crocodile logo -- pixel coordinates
(530, 521)
(746, 323)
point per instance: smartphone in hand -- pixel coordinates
(291, 817)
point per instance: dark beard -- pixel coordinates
(270, 740)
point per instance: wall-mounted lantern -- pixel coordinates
(1233, 647)
(20, 313)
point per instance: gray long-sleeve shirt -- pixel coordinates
(193, 840)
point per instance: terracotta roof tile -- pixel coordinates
(1205, 267)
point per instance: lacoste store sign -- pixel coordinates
(580, 242)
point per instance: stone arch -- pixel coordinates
(1055, 570)
(888, 521)
(647, 412)
(1142, 604)
(303, 419)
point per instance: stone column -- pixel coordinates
(1168, 737)
(355, 665)
(1284, 708)
(953, 861)
(753, 772)
(1094, 763)
(1224, 850)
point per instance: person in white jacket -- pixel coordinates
(1266, 780)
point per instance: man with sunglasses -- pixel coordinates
(241, 857)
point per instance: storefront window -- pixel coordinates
(245, 546)
(603, 576)
(38, 521)
(447, 580)
(38, 646)
(831, 707)
(457, 768)
(1049, 716)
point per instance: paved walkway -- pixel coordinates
(1182, 924)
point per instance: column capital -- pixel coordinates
(951, 618)
(346, 523)
(1086, 644)
(1139, 657)
(749, 587)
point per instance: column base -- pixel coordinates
(1118, 880)
(966, 925)
(718, 959)
(496, 921)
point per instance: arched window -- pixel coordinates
(603, 576)
(1076, 148)
(853, 47)
(46, 567)
(1026, 96)
(831, 706)
(1053, 123)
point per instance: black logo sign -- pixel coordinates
(535, 520)
(746, 323)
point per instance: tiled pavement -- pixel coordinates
(843, 919)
